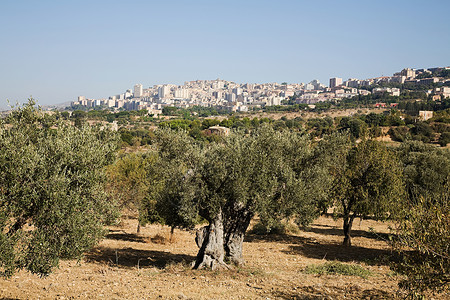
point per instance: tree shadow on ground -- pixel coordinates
(311, 293)
(129, 257)
(331, 230)
(330, 251)
(279, 238)
(127, 237)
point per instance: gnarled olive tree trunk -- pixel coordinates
(235, 225)
(211, 243)
(221, 241)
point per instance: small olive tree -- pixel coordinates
(52, 199)
(269, 173)
(129, 180)
(367, 182)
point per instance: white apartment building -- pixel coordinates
(138, 90)
(182, 93)
(163, 92)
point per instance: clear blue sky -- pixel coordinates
(58, 50)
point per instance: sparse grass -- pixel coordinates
(149, 272)
(247, 271)
(177, 267)
(334, 267)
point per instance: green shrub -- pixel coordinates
(444, 139)
(399, 134)
(261, 228)
(334, 267)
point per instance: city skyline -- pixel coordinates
(58, 51)
(232, 97)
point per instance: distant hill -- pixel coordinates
(59, 106)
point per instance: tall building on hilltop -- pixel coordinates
(138, 91)
(335, 81)
(163, 92)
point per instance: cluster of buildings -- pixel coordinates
(231, 96)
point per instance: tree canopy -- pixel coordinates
(424, 218)
(275, 174)
(366, 183)
(52, 201)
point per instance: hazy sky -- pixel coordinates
(58, 50)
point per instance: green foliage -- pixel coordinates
(356, 127)
(426, 169)
(276, 174)
(129, 181)
(173, 187)
(335, 267)
(52, 199)
(136, 136)
(367, 182)
(280, 227)
(399, 134)
(394, 119)
(442, 116)
(289, 108)
(320, 126)
(444, 138)
(423, 234)
(422, 132)
(425, 228)
(373, 119)
(192, 111)
(169, 110)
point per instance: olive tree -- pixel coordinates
(269, 173)
(129, 181)
(424, 219)
(423, 237)
(367, 181)
(426, 169)
(52, 199)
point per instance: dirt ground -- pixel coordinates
(146, 266)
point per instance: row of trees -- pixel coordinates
(281, 175)
(401, 129)
(54, 198)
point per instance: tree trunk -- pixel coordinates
(138, 229)
(172, 229)
(235, 224)
(210, 240)
(348, 222)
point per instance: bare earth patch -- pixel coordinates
(147, 266)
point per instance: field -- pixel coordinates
(147, 266)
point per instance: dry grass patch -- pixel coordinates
(273, 270)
